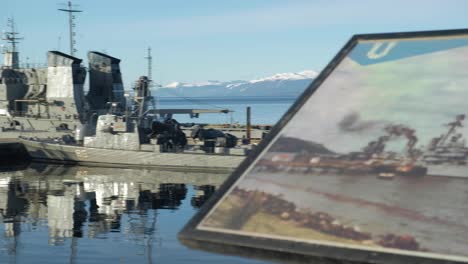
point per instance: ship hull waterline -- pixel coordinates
(71, 154)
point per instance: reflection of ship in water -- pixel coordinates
(445, 155)
(203, 193)
(91, 202)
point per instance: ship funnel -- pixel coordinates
(105, 81)
(65, 79)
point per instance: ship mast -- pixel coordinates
(11, 58)
(150, 64)
(150, 77)
(452, 127)
(71, 25)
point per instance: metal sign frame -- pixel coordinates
(239, 243)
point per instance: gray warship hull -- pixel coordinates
(71, 154)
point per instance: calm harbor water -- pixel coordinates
(59, 214)
(62, 214)
(264, 110)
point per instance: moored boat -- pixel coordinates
(148, 156)
(119, 142)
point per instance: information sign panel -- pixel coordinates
(369, 165)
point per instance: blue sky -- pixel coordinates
(195, 41)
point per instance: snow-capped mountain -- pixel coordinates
(289, 76)
(281, 84)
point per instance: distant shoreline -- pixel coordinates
(230, 98)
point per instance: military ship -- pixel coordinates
(119, 142)
(143, 137)
(374, 158)
(448, 154)
(45, 108)
(445, 155)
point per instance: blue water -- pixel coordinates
(264, 111)
(57, 214)
(92, 215)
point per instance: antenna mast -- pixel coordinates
(150, 64)
(11, 56)
(150, 77)
(71, 19)
(10, 36)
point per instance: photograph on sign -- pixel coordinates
(375, 159)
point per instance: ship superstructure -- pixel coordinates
(49, 101)
(448, 148)
(45, 99)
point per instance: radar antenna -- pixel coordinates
(71, 20)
